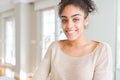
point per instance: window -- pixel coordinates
(51, 28)
(48, 29)
(10, 40)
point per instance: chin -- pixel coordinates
(71, 38)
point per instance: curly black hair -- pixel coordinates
(87, 6)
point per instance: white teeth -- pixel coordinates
(70, 32)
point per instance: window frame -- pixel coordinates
(12, 18)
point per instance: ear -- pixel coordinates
(86, 21)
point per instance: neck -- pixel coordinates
(78, 42)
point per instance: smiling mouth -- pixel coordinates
(71, 31)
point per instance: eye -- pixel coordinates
(75, 19)
(64, 20)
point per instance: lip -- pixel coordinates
(70, 32)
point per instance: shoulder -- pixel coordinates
(54, 44)
(104, 49)
(105, 45)
(101, 46)
(57, 43)
(51, 48)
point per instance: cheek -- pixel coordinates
(80, 26)
(63, 26)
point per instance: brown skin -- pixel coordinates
(73, 23)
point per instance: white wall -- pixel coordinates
(102, 24)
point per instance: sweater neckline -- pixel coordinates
(89, 54)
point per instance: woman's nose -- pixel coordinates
(69, 24)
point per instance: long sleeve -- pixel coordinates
(103, 69)
(43, 70)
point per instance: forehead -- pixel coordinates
(70, 10)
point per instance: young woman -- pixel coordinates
(76, 58)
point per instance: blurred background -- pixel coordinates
(27, 27)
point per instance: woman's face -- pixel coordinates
(73, 22)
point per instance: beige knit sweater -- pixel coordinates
(57, 65)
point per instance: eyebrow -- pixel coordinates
(71, 16)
